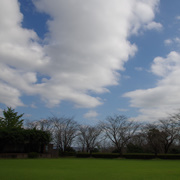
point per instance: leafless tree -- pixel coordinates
(43, 124)
(88, 137)
(64, 132)
(170, 129)
(119, 130)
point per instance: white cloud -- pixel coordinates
(158, 102)
(138, 68)
(165, 66)
(1, 112)
(9, 95)
(126, 77)
(178, 17)
(27, 115)
(154, 25)
(174, 41)
(123, 110)
(86, 46)
(91, 114)
(168, 41)
(33, 106)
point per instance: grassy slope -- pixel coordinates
(88, 169)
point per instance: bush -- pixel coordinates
(174, 151)
(131, 148)
(33, 155)
(105, 155)
(67, 154)
(138, 156)
(97, 155)
(128, 155)
(83, 155)
(32, 140)
(169, 156)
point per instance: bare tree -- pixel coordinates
(64, 132)
(88, 137)
(169, 131)
(43, 124)
(119, 130)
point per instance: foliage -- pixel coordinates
(33, 155)
(132, 148)
(105, 155)
(69, 152)
(128, 156)
(11, 119)
(32, 139)
(154, 139)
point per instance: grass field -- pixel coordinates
(88, 169)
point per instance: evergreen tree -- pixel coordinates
(11, 119)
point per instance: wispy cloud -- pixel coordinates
(174, 41)
(91, 114)
(123, 110)
(178, 17)
(138, 68)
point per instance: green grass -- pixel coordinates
(88, 169)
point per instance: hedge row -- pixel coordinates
(18, 140)
(128, 156)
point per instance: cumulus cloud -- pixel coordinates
(20, 56)
(158, 102)
(154, 25)
(174, 41)
(168, 41)
(86, 46)
(91, 114)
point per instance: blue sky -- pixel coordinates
(90, 59)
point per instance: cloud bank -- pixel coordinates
(156, 103)
(84, 50)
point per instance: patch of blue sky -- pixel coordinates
(42, 78)
(32, 19)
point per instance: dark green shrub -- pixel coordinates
(68, 154)
(138, 156)
(105, 155)
(97, 155)
(168, 156)
(115, 151)
(131, 148)
(33, 155)
(83, 155)
(174, 151)
(33, 140)
(128, 155)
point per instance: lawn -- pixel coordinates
(88, 169)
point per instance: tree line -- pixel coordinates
(115, 134)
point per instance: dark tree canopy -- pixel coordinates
(30, 140)
(11, 119)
